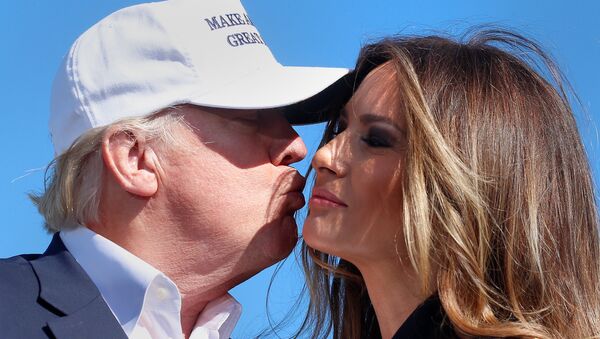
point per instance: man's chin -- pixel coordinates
(277, 241)
(284, 239)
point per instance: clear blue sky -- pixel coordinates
(36, 33)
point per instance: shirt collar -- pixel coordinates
(218, 318)
(124, 279)
(121, 277)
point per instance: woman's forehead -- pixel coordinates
(378, 92)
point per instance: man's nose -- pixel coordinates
(286, 146)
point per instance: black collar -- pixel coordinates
(428, 321)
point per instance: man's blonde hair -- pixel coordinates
(73, 180)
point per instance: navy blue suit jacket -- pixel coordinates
(51, 296)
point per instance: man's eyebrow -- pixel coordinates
(251, 114)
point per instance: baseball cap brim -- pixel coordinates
(273, 87)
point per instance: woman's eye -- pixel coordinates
(377, 139)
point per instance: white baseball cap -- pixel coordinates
(147, 57)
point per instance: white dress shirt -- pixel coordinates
(145, 301)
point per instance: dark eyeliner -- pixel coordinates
(378, 138)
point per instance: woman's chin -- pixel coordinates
(309, 232)
(319, 235)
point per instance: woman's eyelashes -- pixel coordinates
(338, 127)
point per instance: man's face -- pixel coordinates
(229, 189)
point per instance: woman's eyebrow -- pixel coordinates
(368, 118)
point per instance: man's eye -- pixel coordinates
(247, 121)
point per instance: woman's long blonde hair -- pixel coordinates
(500, 216)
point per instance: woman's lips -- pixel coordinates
(323, 198)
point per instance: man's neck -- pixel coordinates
(200, 276)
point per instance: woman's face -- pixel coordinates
(356, 204)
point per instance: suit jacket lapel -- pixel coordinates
(65, 286)
(94, 321)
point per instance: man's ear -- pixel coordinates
(130, 160)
